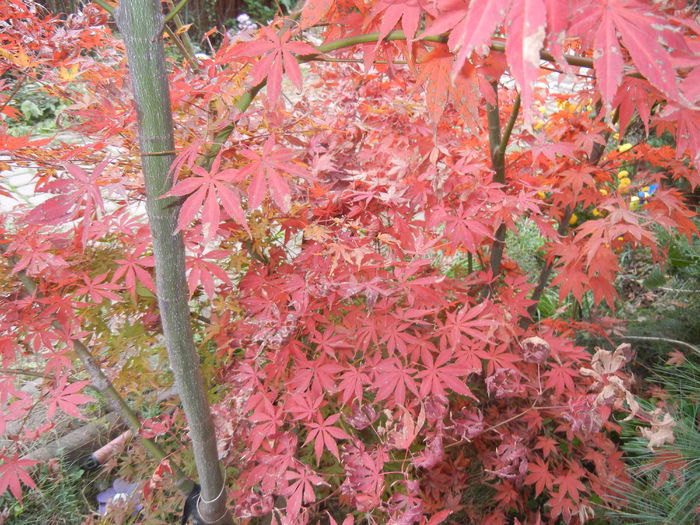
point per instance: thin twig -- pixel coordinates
(662, 340)
(181, 48)
(31, 373)
(14, 91)
(509, 126)
(183, 43)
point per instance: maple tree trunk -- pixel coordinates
(497, 149)
(141, 24)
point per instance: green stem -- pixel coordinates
(104, 5)
(509, 126)
(175, 10)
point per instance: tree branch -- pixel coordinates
(497, 146)
(342, 43)
(182, 48)
(140, 22)
(103, 385)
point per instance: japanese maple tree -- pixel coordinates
(343, 181)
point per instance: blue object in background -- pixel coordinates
(647, 191)
(120, 493)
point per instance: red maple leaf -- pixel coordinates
(352, 383)
(465, 321)
(304, 406)
(202, 189)
(17, 407)
(315, 374)
(408, 11)
(13, 473)
(265, 170)
(76, 190)
(133, 267)
(324, 435)
(66, 396)
(498, 356)
(97, 289)
(440, 374)
(560, 378)
(276, 52)
(525, 36)
(546, 445)
(570, 482)
(301, 490)
(540, 476)
(269, 418)
(203, 271)
(434, 72)
(470, 26)
(314, 11)
(642, 33)
(328, 341)
(392, 378)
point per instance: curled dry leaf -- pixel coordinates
(661, 431)
(611, 387)
(535, 350)
(605, 362)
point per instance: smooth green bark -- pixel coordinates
(141, 24)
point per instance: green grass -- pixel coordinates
(65, 497)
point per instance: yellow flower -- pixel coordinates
(538, 125)
(603, 191)
(623, 174)
(616, 136)
(596, 213)
(624, 147)
(634, 203)
(541, 194)
(623, 184)
(573, 219)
